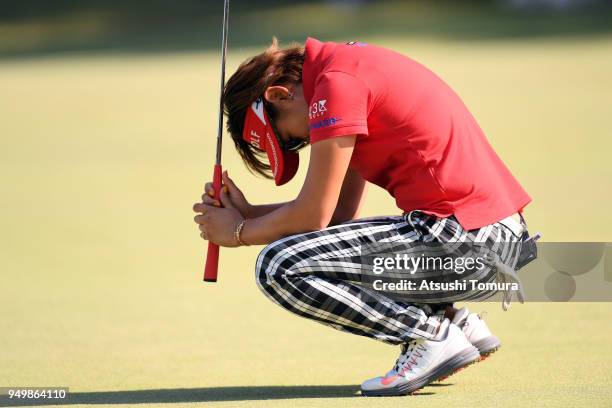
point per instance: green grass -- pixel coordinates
(102, 157)
(139, 26)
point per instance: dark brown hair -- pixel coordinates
(274, 66)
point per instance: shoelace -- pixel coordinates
(411, 351)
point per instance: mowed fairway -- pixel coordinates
(102, 157)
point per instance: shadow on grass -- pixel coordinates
(212, 394)
(440, 384)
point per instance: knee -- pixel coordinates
(269, 264)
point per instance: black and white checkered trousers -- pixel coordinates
(314, 274)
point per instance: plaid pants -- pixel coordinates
(314, 274)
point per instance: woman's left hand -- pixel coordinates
(216, 224)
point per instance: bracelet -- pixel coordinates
(237, 232)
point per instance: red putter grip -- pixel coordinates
(212, 255)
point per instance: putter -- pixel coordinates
(212, 255)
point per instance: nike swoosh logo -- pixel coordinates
(388, 380)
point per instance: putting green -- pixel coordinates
(101, 158)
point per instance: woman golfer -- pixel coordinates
(370, 115)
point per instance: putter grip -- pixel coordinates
(212, 255)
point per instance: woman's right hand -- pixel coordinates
(235, 195)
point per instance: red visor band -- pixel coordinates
(259, 133)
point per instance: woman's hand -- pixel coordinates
(314, 207)
(216, 224)
(236, 197)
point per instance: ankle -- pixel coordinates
(449, 313)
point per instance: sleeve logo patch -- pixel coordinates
(317, 109)
(323, 123)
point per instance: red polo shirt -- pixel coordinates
(415, 137)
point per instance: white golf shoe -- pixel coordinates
(477, 332)
(424, 361)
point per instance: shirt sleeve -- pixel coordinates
(339, 107)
